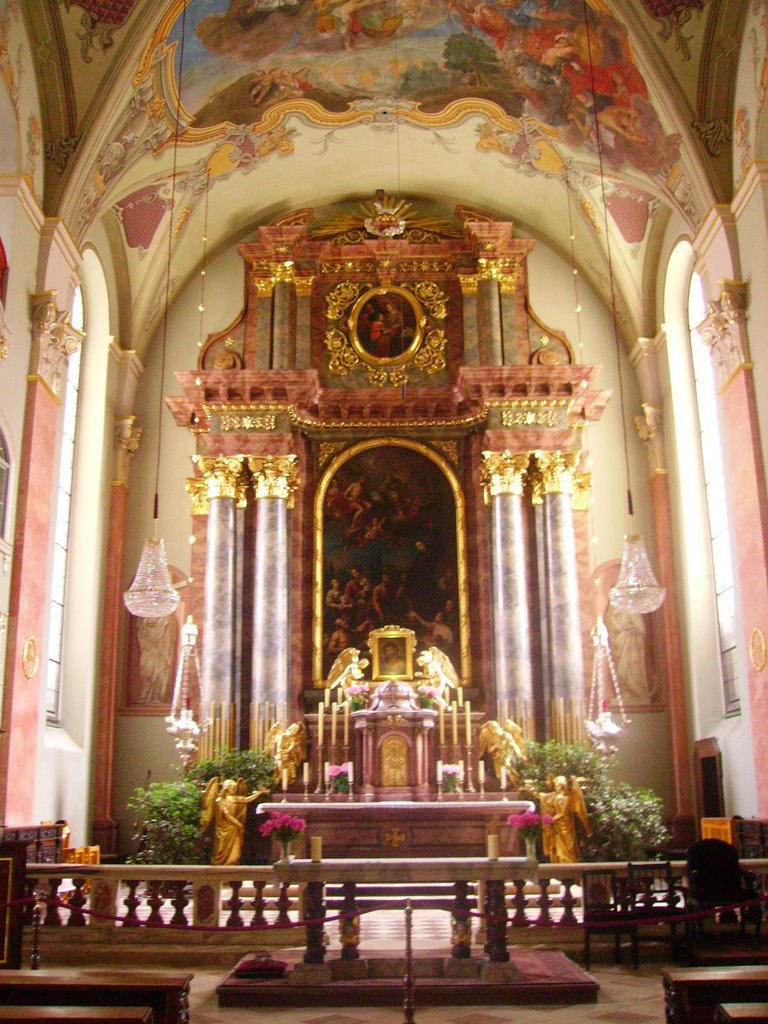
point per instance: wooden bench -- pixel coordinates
(167, 995)
(743, 1013)
(692, 994)
(77, 1014)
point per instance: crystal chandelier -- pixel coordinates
(602, 731)
(181, 721)
(151, 595)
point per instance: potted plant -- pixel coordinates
(451, 774)
(338, 774)
(528, 825)
(285, 828)
(357, 695)
(426, 695)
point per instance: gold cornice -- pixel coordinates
(503, 473)
(274, 476)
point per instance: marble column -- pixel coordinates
(503, 477)
(564, 651)
(469, 314)
(262, 355)
(303, 287)
(489, 320)
(284, 318)
(54, 340)
(225, 487)
(104, 827)
(275, 479)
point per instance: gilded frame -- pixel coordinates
(372, 304)
(391, 650)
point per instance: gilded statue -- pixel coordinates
(506, 746)
(437, 670)
(348, 668)
(224, 809)
(564, 802)
(289, 749)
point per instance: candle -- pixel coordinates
(350, 773)
(439, 772)
(441, 724)
(346, 723)
(460, 696)
(285, 779)
(481, 772)
(493, 847)
(320, 720)
(316, 847)
(334, 710)
(455, 722)
(327, 698)
(461, 771)
(305, 773)
(503, 779)
(325, 772)
(468, 712)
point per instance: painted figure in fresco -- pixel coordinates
(157, 644)
(224, 807)
(628, 646)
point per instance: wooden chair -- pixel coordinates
(608, 910)
(655, 894)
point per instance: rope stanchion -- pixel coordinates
(408, 979)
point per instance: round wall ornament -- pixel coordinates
(30, 657)
(758, 651)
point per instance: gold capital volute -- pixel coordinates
(274, 476)
(503, 473)
(557, 470)
(223, 475)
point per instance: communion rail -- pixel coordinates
(99, 907)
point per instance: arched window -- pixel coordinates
(714, 486)
(63, 506)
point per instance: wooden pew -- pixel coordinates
(77, 1014)
(167, 995)
(692, 994)
(742, 1013)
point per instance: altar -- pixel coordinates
(401, 828)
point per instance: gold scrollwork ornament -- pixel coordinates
(758, 651)
(30, 657)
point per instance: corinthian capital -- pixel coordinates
(503, 473)
(556, 471)
(54, 340)
(274, 476)
(127, 437)
(648, 428)
(724, 330)
(223, 475)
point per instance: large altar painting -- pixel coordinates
(389, 552)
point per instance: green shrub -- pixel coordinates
(255, 767)
(167, 829)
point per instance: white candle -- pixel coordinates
(439, 772)
(316, 847)
(441, 724)
(346, 723)
(320, 720)
(481, 772)
(468, 713)
(334, 710)
(461, 771)
(455, 722)
(325, 772)
(285, 779)
(493, 847)
(350, 773)
(460, 696)
(503, 779)
(305, 773)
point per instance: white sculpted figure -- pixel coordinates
(438, 671)
(347, 669)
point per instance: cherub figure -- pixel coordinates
(347, 669)
(289, 749)
(224, 807)
(437, 671)
(506, 746)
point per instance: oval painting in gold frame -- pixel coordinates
(386, 326)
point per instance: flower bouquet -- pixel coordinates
(528, 824)
(285, 827)
(357, 695)
(451, 776)
(426, 695)
(338, 774)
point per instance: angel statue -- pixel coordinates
(347, 669)
(289, 749)
(437, 671)
(224, 807)
(564, 803)
(506, 746)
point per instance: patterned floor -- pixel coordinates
(626, 996)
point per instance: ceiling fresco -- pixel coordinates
(539, 59)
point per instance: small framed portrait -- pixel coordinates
(391, 653)
(386, 326)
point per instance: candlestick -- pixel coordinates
(316, 848)
(441, 724)
(320, 720)
(334, 710)
(493, 847)
(455, 722)
(346, 723)
(439, 772)
(468, 713)
(305, 778)
(503, 779)
(351, 778)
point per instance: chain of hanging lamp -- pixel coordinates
(152, 595)
(636, 590)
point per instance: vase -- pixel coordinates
(285, 851)
(530, 847)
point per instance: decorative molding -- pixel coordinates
(274, 476)
(223, 475)
(127, 438)
(715, 134)
(54, 340)
(556, 470)
(724, 330)
(503, 473)
(30, 657)
(197, 488)
(758, 653)
(582, 492)
(648, 428)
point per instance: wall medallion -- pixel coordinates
(30, 657)
(386, 331)
(758, 652)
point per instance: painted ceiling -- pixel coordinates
(160, 116)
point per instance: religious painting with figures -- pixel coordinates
(385, 324)
(389, 552)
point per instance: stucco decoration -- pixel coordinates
(724, 331)
(99, 20)
(674, 15)
(54, 340)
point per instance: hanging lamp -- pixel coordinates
(636, 591)
(181, 721)
(602, 731)
(152, 595)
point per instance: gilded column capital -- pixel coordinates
(303, 285)
(127, 436)
(556, 471)
(581, 493)
(724, 330)
(274, 476)
(502, 269)
(264, 286)
(223, 475)
(649, 431)
(468, 283)
(54, 340)
(197, 489)
(503, 473)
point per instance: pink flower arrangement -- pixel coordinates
(339, 777)
(451, 774)
(285, 826)
(528, 823)
(426, 695)
(357, 694)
